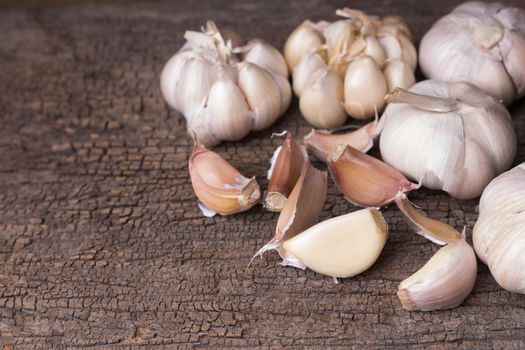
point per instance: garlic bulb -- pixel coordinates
(481, 43)
(345, 67)
(343, 246)
(223, 90)
(499, 233)
(451, 136)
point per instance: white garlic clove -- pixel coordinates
(364, 88)
(170, 76)
(398, 74)
(198, 122)
(513, 52)
(285, 90)
(197, 78)
(444, 282)
(262, 93)
(321, 100)
(230, 115)
(375, 50)
(399, 47)
(218, 185)
(304, 71)
(304, 38)
(343, 246)
(265, 56)
(233, 37)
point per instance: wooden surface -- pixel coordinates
(101, 241)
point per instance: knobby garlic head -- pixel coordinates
(499, 233)
(451, 136)
(225, 90)
(481, 43)
(347, 67)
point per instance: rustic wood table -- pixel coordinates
(102, 244)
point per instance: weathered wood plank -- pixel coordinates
(101, 240)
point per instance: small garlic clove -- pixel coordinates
(303, 72)
(304, 38)
(365, 180)
(170, 76)
(198, 121)
(364, 88)
(343, 246)
(444, 282)
(398, 74)
(265, 56)
(286, 165)
(322, 142)
(375, 50)
(196, 80)
(321, 100)
(262, 93)
(285, 90)
(301, 210)
(399, 47)
(434, 230)
(230, 115)
(218, 185)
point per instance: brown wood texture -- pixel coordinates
(101, 241)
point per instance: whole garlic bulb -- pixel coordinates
(225, 91)
(450, 136)
(346, 67)
(481, 43)
(499, 233)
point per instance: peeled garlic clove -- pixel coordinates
(261, 92)
(265, 56)
(434, 230)
(343, 246)
(197, 78)
(365, 180)
(444, 282)
(322, 142)
(218, 185)
(304, 38)
(230, 115)
(398, 74)
(321, 100)
(286, 165)
(170, 76)
(364, 88)
(304, 71)
(374, 49)
(301, 210)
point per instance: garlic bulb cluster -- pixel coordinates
(481, 43)
(499, 233)
(347, 67)
(451, 136)
(224, 90)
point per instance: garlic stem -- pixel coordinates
(427, 103)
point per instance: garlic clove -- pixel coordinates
(196, 80)
(375, 50)
(434, 230)
(218, 185)
(265, 56)
(286, 165)
(322, 142)
(304, 38)
(285, 89)
(364, 88)
(304, 71)
(343, 246)
(365, 180)
(321, 100)
(301, 210)
(231, 118)
(444, 282)
(398, 74)
(339, 36)
(261, 92)
(399, 47)
(170, 76)
(198, 121)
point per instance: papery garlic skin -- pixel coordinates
(360, 50)
(343, 246)
(452, 136)
(224, 90)
(444, 282)
(499, 232)
(480, 43)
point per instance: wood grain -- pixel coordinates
(101, 242)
